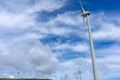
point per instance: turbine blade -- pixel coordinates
(83, 10)
(83, 20)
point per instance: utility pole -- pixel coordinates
(80, 73)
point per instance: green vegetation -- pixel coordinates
(10, 79)
(21, 79)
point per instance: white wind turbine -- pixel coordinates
(85, 15)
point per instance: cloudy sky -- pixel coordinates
(48, 38)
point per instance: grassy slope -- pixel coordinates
(21, 79)
(10, 79)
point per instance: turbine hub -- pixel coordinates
(86, 13)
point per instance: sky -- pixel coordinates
(49, 39)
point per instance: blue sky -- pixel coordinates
(44, 38)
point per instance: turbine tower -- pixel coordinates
(85, 14)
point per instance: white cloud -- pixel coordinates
(31, 5)
(108, 29)
(39, 59)
(43, 60)
(111, 50)
(19, 47)
(79, 47)
(11, 76)
(48, 5)
(21, 16)
(19, 21)
(69, 18)
(64, 24)
(6, 75)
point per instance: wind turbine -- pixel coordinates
(85, 15)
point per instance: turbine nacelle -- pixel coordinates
(85, 13)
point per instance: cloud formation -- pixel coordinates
(30, 45)
(18, 40)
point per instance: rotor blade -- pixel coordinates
(83, 10)
(84, 29)
(83, 20)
